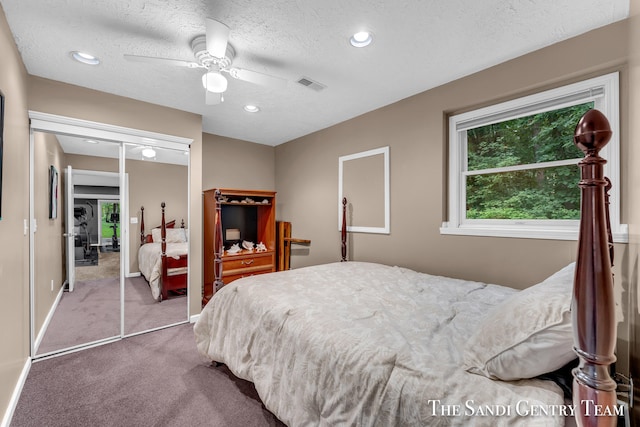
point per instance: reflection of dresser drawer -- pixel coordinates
(243, 265)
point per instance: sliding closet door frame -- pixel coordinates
(51, 123)
(124, 230)
(29, 226)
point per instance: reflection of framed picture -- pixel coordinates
(53, 192)
(1, 144)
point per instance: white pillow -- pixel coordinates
(528, 334)
(174, 235)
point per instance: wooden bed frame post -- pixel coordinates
(141, 225)
(163, 255)
(593, 311)
(344, 229)
(218, 244)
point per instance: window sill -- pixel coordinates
(619, 236)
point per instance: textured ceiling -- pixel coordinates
(418, 44)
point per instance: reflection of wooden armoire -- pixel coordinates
(246, 215)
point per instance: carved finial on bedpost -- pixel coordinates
(594, 328)
(344, 229)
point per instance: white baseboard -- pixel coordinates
(8, 415)
(47, 320)
(194, 318)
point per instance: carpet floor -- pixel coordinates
(92, 312)
(153, 379)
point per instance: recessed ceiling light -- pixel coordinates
(85, 58)
(251, 108)
(361, 39)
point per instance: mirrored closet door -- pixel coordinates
(92, 188)
(76, 293)
(155, 293)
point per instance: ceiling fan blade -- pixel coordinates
(161, 61)
(217, 37)
(213, 98)
(257, 78)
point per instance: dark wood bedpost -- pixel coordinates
(218, 244)
(344, 229)
(142, 225)
(163, 255)
(594, 328)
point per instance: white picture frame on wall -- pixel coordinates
(377, 179)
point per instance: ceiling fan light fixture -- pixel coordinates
(214, 82)
(361, 39)
(148, 153)
(85, 58)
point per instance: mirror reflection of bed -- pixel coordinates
(159, 293)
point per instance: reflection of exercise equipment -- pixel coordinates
(84, 253)
(113, 219)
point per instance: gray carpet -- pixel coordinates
(154, 379)
(92, 312)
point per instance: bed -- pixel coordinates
(364, 344)
(163, 257)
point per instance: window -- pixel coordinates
(513, 166)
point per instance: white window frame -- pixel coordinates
(603, 91)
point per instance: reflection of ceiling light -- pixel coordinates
(251, 108)
(91, 141)
(361, 39)
(85, 58)
(214, 82)
(148, 152)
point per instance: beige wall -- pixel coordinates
(232, 163)
(49, 244)
(73, 101)
(14, 252)
(633, 292)
(415, 130)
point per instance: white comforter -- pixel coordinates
(150, 262)
(360, 344)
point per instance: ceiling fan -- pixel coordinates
(214, 54)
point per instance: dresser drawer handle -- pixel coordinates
(249, 262)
